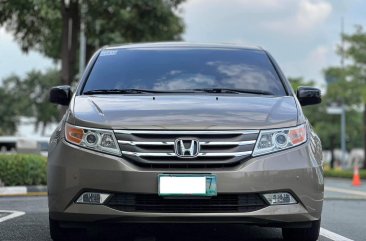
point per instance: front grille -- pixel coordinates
(156, 148)
(222, 203)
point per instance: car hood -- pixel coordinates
(188, 112)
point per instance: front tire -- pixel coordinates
(62, 234)
(302, 234)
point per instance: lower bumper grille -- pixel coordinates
(223, 203)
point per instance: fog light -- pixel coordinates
(92, 198)
(279, 198)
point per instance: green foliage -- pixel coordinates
(356, 46)
(296, 82)
(9, 111)
(37, 24)
(343, 173)
(41, 25)
(341, 89)
(28, 97)
(132, 21)
(23, 169)
(348, 84)
(36, 87)
(328, 126)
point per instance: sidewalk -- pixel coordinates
(23, 191)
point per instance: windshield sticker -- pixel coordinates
(108, 52)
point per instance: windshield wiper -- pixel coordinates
(111, 91)
(128, 91)
(207, 90)
(234, 91)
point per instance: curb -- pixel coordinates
(38, 190)
(340, 198)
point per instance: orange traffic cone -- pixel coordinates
(356, 177)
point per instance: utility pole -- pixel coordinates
(82, 52)
(343, 114)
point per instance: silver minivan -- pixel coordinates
(185, 133)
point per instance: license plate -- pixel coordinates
(187, 185)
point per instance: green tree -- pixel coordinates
(36, 87)
(328, 126)
(296, 82)
(356, 52)
(341, 89)
(29, 97)
(309, 111)
(353, 75)
(52, 27)
(9, 111)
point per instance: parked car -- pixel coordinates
(8, 144)
(28, 145)
(183, 132)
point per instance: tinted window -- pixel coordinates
(184, 68)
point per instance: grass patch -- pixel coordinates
(343, 173)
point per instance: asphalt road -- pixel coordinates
(343, 214)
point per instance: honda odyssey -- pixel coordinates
(185, 133)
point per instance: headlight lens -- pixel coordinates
(279, 139)
(94, 139)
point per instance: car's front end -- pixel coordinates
(185, 157)
(133, 190)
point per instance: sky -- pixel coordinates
(302, 35)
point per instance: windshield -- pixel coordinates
(168, 69)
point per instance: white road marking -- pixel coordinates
(341, 190)
(333, 236)
(13, 214)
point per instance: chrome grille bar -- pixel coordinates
(206, 143)
(208, 132)
(209, 154)
(154, 143)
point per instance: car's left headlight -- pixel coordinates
(279, 139)
(91, 138)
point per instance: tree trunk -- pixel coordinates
(90, 49)
(364, 136)
(44, 125)
(332, 146)
(332, 158)
(70, 31)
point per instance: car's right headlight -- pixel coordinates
(279, 139)
(95, 139)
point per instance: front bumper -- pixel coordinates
(72, 169)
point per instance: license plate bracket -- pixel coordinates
(204, 185)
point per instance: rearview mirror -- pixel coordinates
(61, 95)
(308, 95)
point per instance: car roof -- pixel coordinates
(179, 44)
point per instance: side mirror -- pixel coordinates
(61, 95)
(308, 95)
